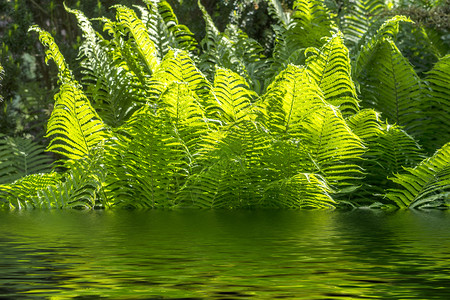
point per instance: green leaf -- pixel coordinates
(145, 162)
(233, 95)
(20, 157)
(435, 104)
(289, 99)
(74, 126)
(388, 30)
(81, 186)
(330, 68)
(144, 43)
(19, 194)
(392, 87)
(52, 53)
(428, 184)
(358, 19)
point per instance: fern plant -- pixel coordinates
(232, 50)
(18, 195)
(426, 185)
(436, 106)
(21, 157)
(156, 124)
(330, 68)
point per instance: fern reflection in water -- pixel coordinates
(155, 124)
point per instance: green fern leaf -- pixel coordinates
(19, 194)
(184, 112)
(426, 185)
(366, 124)
(300, 191)
(145, 162)
(387, 154)
(229, 171)
(234, 96)
(113, 90)
(183, 37)
(246, 58)
(178, 67)
(312, 22)
(358, 18)
(330, 68)
(335, 149)
(52, 52)
(436, 106)
(145, 45)
(295, 110)
(81, 186)
(74, 126)
(232, 50)
(364, 56)
(2, 71)
(276, 10)
(291, 96)
(392, 87)
(20, 157)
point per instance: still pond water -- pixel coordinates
(225, 255)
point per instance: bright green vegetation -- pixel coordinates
(336, 117)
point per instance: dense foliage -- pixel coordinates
(336, 116)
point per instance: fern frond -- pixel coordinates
(330, 68)
(81, 186)
(388, 152)
(388, 30)
(234, 96)
(52, 53)
(366, 124)
(231, 174)
(156, 27)
(114, 89)
(184, 112)
(434, 132)
(435, 42)
(396, 149)
(300, 191)
(20, 157)
(232, 50)
(289, 99)
(392, 87)
(74, 126)
(310, 24)
(164, 29)
(249, 54)
(426, 185)
(335, 149)
(295, 109)
(183, 37)
(276, 10)
(358, 18)
(313, 22)
(286, 52)
(177, 66)
(144, 43)
(19, 194)
(312, 15)
(145, 162)
(2, 72)
(242, 166)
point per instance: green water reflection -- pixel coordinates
(194, 254)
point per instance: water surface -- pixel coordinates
(191, 254)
